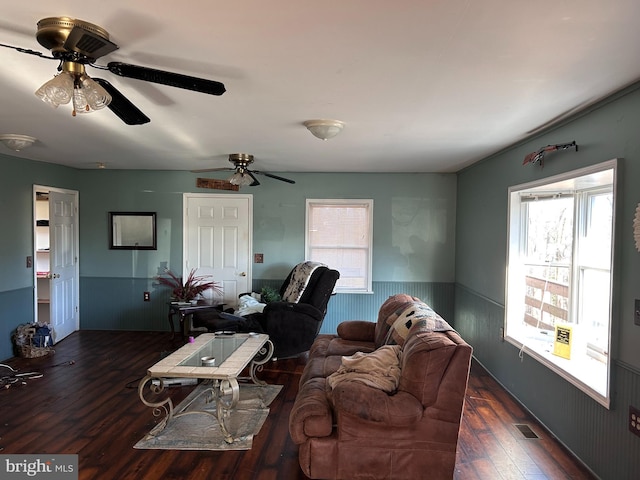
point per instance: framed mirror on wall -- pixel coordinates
(132, 231)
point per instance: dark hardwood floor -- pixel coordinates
(87, 403)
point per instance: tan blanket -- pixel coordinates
(379, 369)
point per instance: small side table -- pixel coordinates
(183, 310)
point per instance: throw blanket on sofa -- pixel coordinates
(379, 369)
(408, 316)
(299, 280)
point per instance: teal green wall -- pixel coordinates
(413, 241)
(16, 241)
(600, 437)
(414, 228)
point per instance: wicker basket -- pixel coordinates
(29, 351)
(23, 339)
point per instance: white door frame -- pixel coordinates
(76, 292)
(220, 196)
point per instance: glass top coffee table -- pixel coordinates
(218, 359)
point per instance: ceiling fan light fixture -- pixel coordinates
(97, 97)
(324, 129)
(17, 142)
(57, 91)
(73, 84)
(241, 179)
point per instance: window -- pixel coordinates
(559, 274)
(339, 234)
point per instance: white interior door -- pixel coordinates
(64, 290)
(218, 232)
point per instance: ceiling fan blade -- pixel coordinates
(167, 78)
(275, 176)
(28, 50)
(255, 180)
(122, 106)
(219, 169)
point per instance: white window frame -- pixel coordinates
(585, 368)
(354, 203)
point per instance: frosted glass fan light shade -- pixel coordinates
(96, 96)
(240, 179)
(80, 104)
(57, 91)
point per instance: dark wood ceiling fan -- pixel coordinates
(243, 175)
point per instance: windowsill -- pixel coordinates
(582, 371)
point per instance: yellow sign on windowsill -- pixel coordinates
(562, 341)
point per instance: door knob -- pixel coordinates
(243, 274)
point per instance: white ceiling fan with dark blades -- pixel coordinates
(243, 176)
(76, 43)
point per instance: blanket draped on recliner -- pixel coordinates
(299, 280)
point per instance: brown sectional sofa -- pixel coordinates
(355, 430)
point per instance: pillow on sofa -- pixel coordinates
(387, 314)
(379, 369)
(410, 314)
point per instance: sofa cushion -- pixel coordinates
(359, 330)
(379, 369)
(425, 357)
(342, 348)
(320, 367)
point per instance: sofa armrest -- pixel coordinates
(367, 403)
(311, 414)
(357, 330)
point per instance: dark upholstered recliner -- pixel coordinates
(293, 323)
(293, 326)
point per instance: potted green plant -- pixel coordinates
(189, 289)
(269, 294)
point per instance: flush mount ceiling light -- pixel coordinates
(324, 129)
(17, 142)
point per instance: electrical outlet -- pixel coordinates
(634, 420)
(636, 313)
(147, 296)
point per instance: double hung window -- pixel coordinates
(339, 233)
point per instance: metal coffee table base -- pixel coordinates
(224, 393)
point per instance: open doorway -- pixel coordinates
(56, 272)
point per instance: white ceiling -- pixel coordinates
(422, 86)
